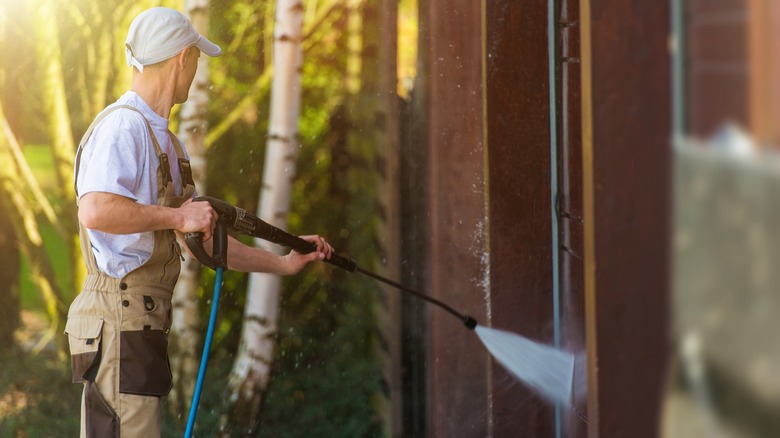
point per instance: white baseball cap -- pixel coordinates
(157, 34)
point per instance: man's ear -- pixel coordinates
(181, 58)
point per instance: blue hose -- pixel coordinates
(204, 359)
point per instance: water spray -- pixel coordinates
(546, 369)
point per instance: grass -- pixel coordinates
(36, 395)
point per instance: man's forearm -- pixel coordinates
(111, 213)
(245, 258)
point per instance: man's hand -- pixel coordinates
(197, 217)
(296, 261)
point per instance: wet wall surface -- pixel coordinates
(458, 398)
(519, 199)
(490, 249)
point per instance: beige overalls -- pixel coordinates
(117, 327)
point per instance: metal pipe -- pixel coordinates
(552, 60)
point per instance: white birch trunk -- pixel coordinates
(251, 370)
(186, 327)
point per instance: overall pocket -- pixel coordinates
(143, 350)
(101, 421)
(84, 335)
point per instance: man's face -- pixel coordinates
(185, 78)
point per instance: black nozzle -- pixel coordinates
(469, 322)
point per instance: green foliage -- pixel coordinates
(40, 160)
(37, 398)
(325, 374)
(240, 29)
(57, 250)
(212, 404)
(325, 371)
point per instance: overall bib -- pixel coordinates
(117, 327)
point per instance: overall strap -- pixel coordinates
(185, 169)
(163, 157)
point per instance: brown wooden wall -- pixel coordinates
(519, 199)
(488, 214)
(458, 397)
(626, 182)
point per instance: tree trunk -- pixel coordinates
(25, 227)
(21, 215)
(9, 269)
(185, 330)
(58, 117)
(9, 277)
(251, 370)
(96, 22)
(58, 121)
(374, 140)
(387, 116)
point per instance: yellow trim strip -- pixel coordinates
(591, 331)
(486, 212)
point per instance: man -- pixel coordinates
(135, 190)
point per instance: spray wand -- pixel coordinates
(243, 222)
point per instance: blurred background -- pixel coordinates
(726, 174)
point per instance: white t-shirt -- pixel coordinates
(120, 158)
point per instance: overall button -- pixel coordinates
(123, 286)
(125, 303)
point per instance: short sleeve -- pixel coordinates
(114, 160)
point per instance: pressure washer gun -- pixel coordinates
(241, 221)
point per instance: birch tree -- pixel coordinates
(185, 328)
(324, 16)
(250, 374)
